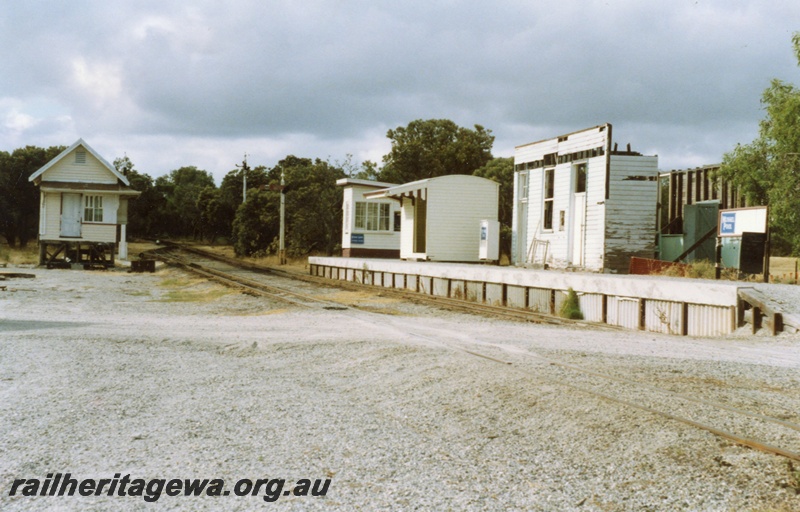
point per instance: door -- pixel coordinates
(578, 224)
(420, 224)
(522, 219)
(71, 215)
(578, 228)
(522, 232)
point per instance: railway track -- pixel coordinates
(735, 424)
(437, 301)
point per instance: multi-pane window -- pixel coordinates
(93, 209)
(549, 175)
(523, 186)
(372, 216)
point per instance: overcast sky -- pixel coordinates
(202, 82)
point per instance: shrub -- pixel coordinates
(571, 307)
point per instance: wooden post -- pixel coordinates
(756, 319)
(604, 314)
(684, 319)
(642, 314)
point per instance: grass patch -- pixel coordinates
(702, 269)
(209, 295)
(20, 256)
(179, 282)
(186, 289)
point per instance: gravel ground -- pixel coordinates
(167, 376)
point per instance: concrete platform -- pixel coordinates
(657, 304)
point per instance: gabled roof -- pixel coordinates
(80, 142)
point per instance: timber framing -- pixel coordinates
(64, 254)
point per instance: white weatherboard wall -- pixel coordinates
(599, 229)
(68, 170)
(456, 205)
(105, 231)
(657, 304)
(80, 176)
(379, 241)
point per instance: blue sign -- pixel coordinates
(727, 223)
(357, 238)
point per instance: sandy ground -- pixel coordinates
(167, 376)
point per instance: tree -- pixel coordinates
(230, 194)
(368, 171)
(180, 214)
(214, 214)
(256, 224)
(435, 147)
(19, 198)
(767, 170)
(501, 170)
(313, 210)
(144, 211)
(313, 204)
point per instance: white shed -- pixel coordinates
(83, 208)
(370, 229)
(441, 217)
(579, 202)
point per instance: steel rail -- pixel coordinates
(261, 288)
(439, 301)
(237, 281)
(729, 408)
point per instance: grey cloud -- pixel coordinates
(672, 73)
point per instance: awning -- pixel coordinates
(413, 189)
(95, 188)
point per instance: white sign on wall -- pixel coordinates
(742, 220)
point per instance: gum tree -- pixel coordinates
(768, 169)
(435, 147)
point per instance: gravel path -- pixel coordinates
(166, 376)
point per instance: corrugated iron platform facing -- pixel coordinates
(656, 304)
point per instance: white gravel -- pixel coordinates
(107, 372)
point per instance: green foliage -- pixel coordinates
(19, 198)
(501, 170)
(256, 224)
(768, 169)
(571, 307)
(180, 215)
(214, 222)
(144, 212)
(435, 147)
(313, 206)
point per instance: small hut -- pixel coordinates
(83, 209)
(442, 217)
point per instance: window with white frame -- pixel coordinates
(580, 178)
(523, 186)
(93, 209)
(372, 216)
(549, 175)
